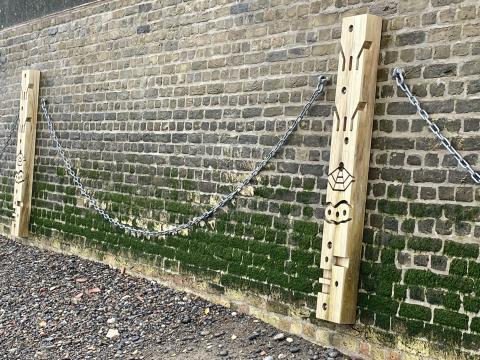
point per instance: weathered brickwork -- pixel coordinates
(165, 105)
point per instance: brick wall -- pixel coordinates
(165, 105)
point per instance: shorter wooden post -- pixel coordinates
(26, 137)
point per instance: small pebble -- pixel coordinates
(279, 337)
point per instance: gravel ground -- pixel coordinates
(54, 306)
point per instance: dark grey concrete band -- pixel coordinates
(14, 12)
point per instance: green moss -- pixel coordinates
(308, 211)
(475, 324)
(265, 192)
(452, 301)
(471, 304)
(270, 235)
(189, 185)
(408, 226)
(306, 258)
(308, 197)
(458, 267)
(424, 244)
(305, 227)
(261, 219)
(417, 293)
(392, 207)
(440, 334)
(285, 181)
(415, 328)
(285, 209)
(456, 283)
(413, 311)
(426, 210)
(308, 184)
(419, 277)
(474, 269)
(435, 297)
(458, 213)
(284, 194)
(471, 341)
(394, 191)
(450, 318)
(399, 292)
(388, 256)
(383, 305)
(453, 248)
(392, 241)
(371, 253)
(382, 321)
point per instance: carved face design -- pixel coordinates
(338, 213)
(20, 159)
(340, 179)
(19, 178)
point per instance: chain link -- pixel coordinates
(9, 136)
(399, 75)
(94, 204)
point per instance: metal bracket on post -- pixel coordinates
(24, 161)
(349, 162)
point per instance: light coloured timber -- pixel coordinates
(24, 162)
(348, 167)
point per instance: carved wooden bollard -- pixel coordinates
(22, 196)
(349, 162)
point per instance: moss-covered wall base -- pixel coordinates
(357, 341)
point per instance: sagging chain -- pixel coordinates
(94, 204)
(399, 76)
(12, 130)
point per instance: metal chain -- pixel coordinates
(93, 203)
(9, 136)
(399, 75)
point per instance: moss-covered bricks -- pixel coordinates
(161, 123)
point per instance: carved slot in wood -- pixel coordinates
(366, 46)
(337, 118)
(360, 107)
(343, 59)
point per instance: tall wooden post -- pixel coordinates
(349, 162)
(22, 196)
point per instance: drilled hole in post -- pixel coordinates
(344, 212)
(329, 212)
(346, 140)
(338, 214)
(336, 283)
(344, 90)
(324, 306)
(329, 244)
(326, 258)
(350, 28)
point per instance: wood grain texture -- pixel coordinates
(349, 162)
(25, 155)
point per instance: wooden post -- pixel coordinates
(349, 162)
(22, 196)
